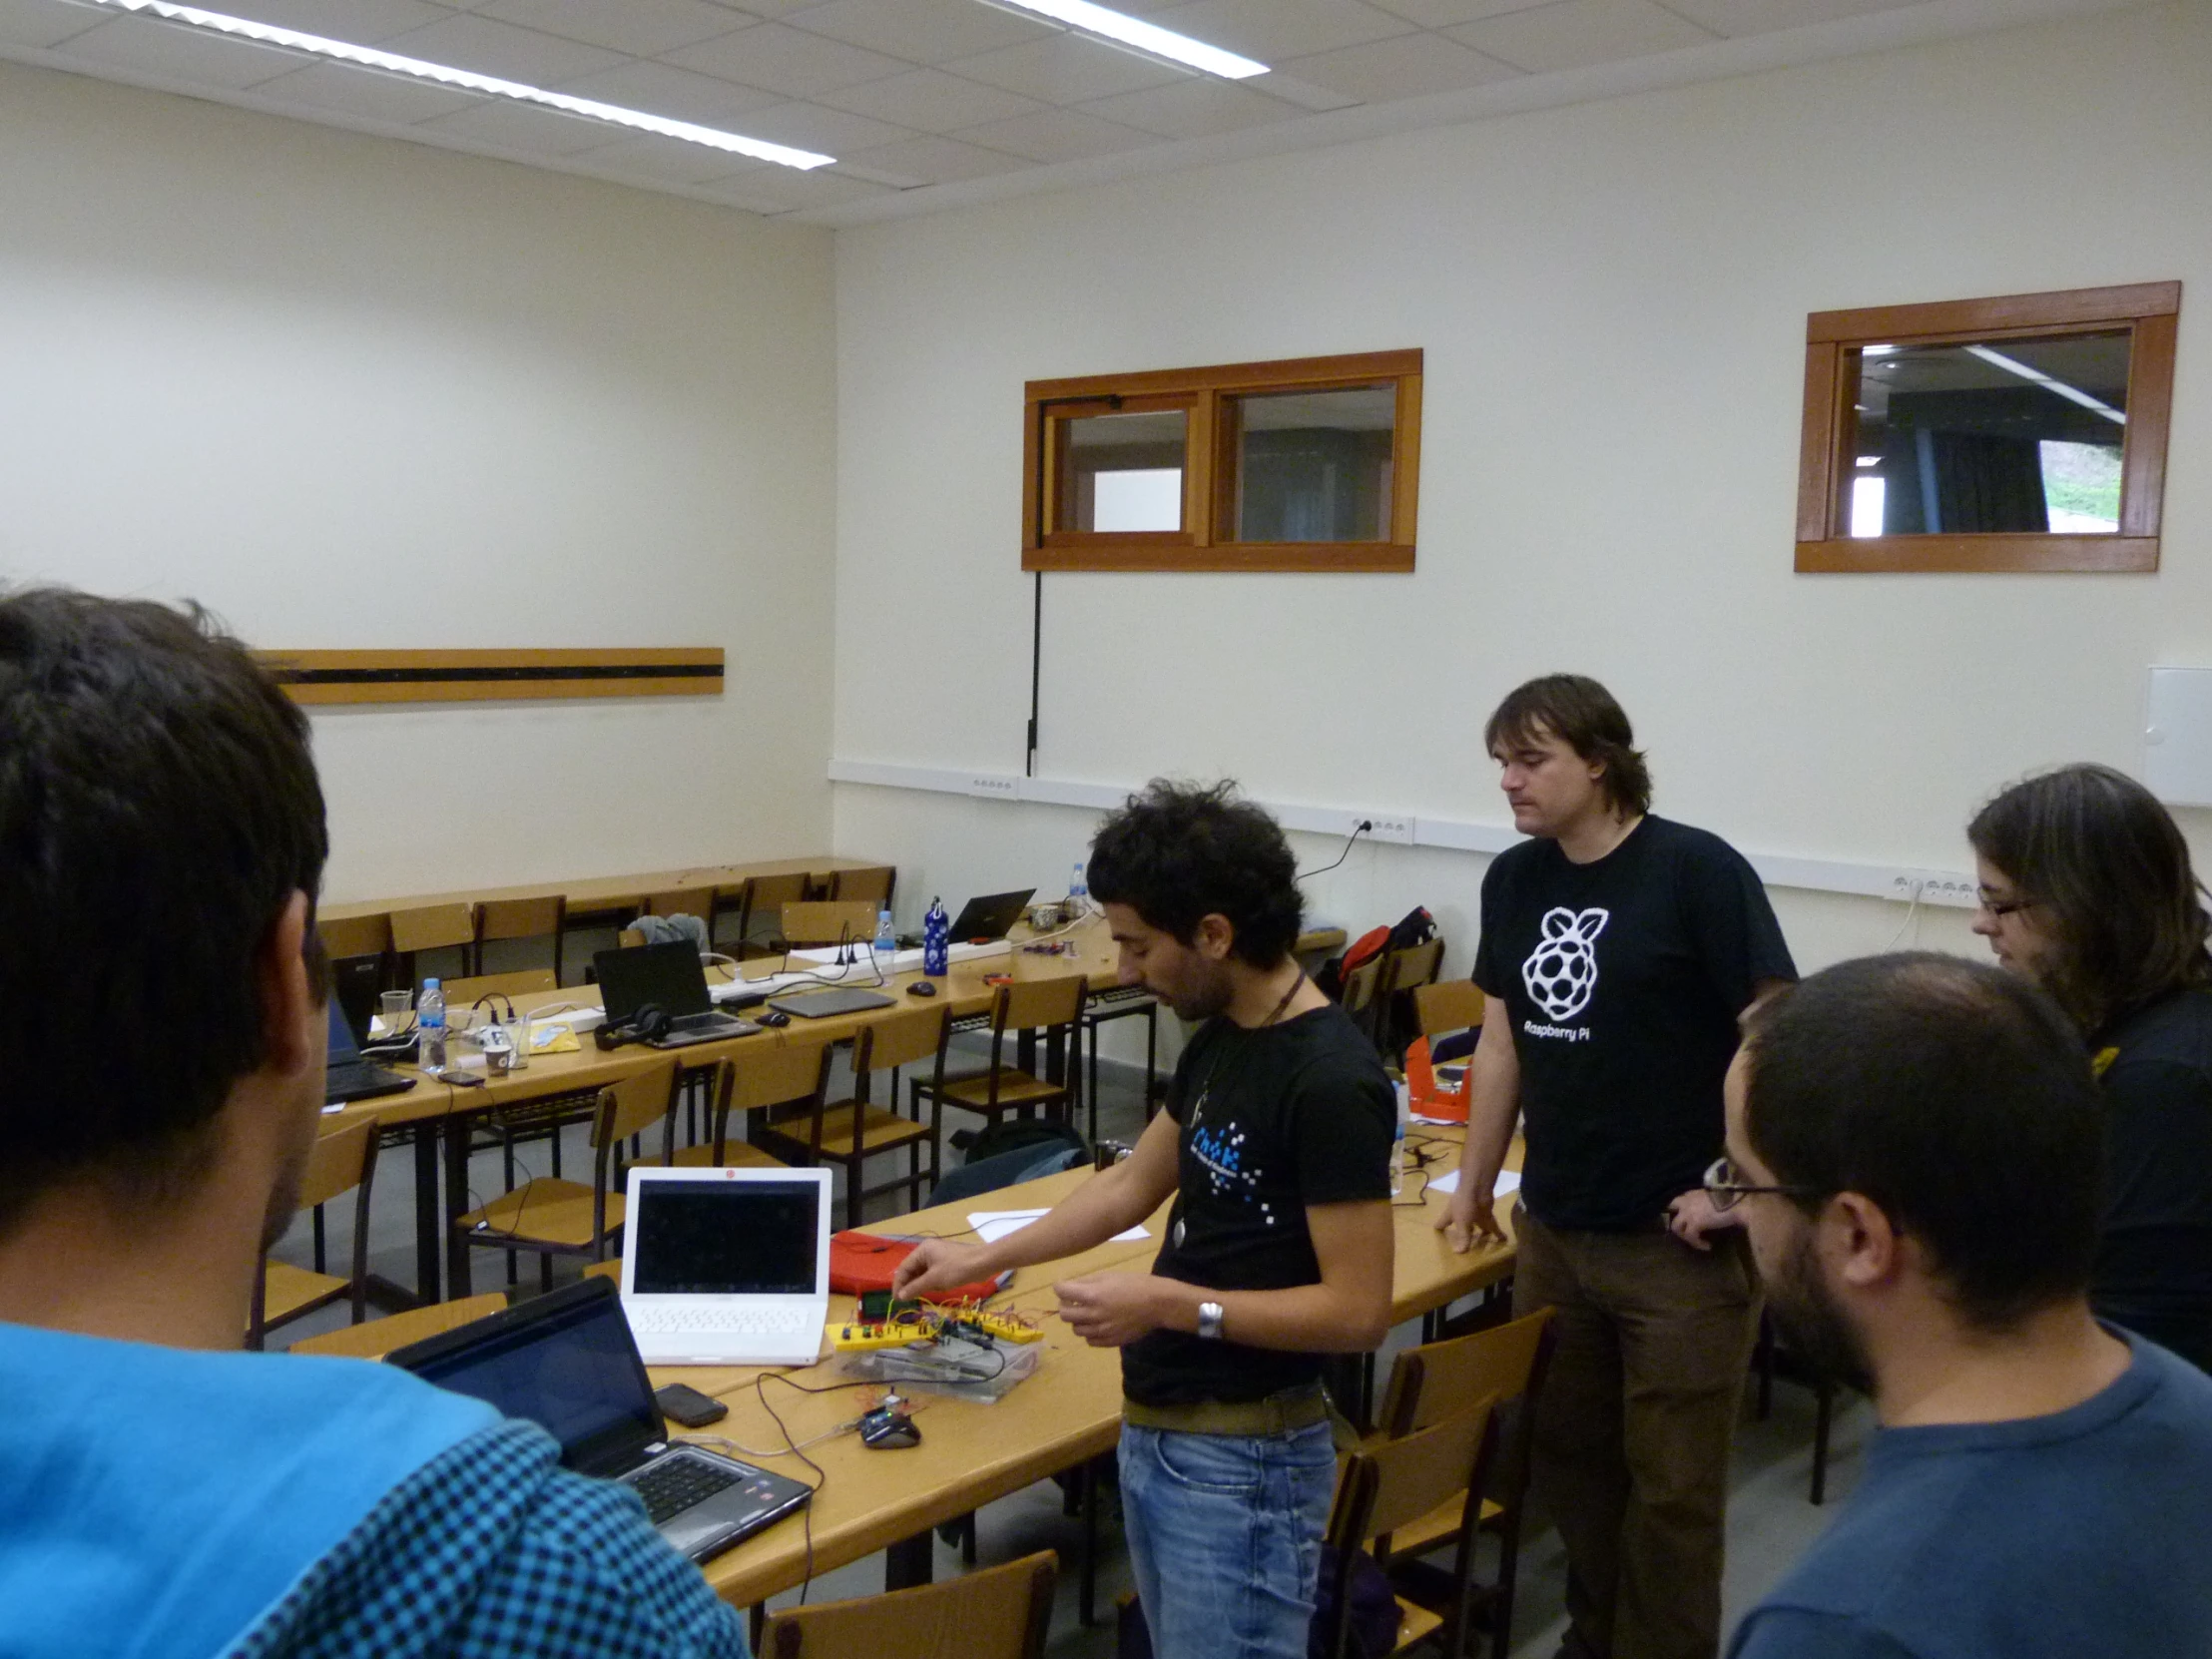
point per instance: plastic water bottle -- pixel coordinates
(1397, 1141)
(1079, 894)
(936, 941)
(430, 1027)
(886, 937)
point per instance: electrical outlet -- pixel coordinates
(1934, 886)
(1386, 826)
(995, 786)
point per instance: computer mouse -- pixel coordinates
(889, 1431)
(775, 1016)
(921, 987)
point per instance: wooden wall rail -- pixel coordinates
(474, 676)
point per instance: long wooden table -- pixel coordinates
(593, 894)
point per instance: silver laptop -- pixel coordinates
(727, 1267)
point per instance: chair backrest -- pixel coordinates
(377, 1338)
(1412, 1474)
(765, 896)
(1030, 1004)
(1429, 1381)
(633, 1105)
(352, 936)
(521, 919)
(769, 1076)
(903, 1038)
(829, 921)
(459, 993)
(339, 1161)
(1360, 985)
(433, 926)
(629, 940)
(993, 1613)
(1413, 965)
(873, 885)
(680, 901)
(1447, 1005)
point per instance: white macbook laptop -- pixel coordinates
(727, 1267)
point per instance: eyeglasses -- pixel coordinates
(1726, 1187)
(2002, 907)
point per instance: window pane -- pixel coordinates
(1314, 465)
(1123, 471)
(2007, 435)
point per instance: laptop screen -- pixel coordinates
(666, 975)
(343, 1049)
(566, 1363)
(725, 1238)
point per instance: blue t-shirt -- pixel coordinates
(160, 1499)
(2082, 1532)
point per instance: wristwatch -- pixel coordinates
(1209, 1321)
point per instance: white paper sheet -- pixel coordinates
(1509, 1182)
(993, 1225)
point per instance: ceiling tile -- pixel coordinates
(1271, 29)
(43, 22)
(1067, 68)
(934, 161)
(526, 127)
(930, 101)
(1439, 14)
(368, 93)
(1753, 17)
(179, 53)
(491, 46)
(921, 31)
(668, 160)
(785, 60)
(1568, 34)
(1406, 66)
(792, 189)
(814, 126)
(663, 89)
(646, 28)
(1194, 108)
(361, 22)
(1057, 136)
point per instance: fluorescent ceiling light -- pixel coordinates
(364, 57)
(1145, 37)
(2012, 365)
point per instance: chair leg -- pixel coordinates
(319, 1264)
(545, 1270)
(1822, 1420)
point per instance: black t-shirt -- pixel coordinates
(1623, 978)
(1272, 1119)
(2154, 1260)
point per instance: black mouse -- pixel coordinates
(775, 1016)
(921, 987)
(889, 1431)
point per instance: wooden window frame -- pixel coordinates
(2150, 310)
(1208, 478)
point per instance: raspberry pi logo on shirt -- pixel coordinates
(1561, 971)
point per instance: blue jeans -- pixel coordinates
(1225, 1537)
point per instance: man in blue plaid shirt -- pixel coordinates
(162, 1029)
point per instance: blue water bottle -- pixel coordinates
(936, 941)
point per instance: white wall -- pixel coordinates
(1613, 298)
(350, 392)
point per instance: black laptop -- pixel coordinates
(670, 977)
(349, 1077)
(567, 1361)
(989, 917)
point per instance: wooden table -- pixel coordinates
(594, 894)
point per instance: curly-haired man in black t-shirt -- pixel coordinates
(1274, 1146)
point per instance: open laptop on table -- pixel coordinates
(989, 917)
(347, 1075)
(727, 1267)
(669, 977)
(567, 1362)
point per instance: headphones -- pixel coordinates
(650, 1023)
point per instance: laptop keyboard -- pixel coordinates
(736, 1321)
(669, 1486)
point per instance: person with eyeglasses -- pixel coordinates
(1914, 1145)
(2088, 890)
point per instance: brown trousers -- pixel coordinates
(1630, 1452)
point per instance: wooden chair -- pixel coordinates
(995, 1613)
(522, 918)
(433, 927)
(377, 1338)
(765, 1076)
(829, 921)
(344, 1161)
(551, 1217)
(1404, 971)
(1390, 1482)
(1505, 1364)
(849, 1132)
(764, 898)
(873, 885)
(357, 939)
(681, 902)
(1447, 1006)
(1050, 1007)
(1359, 999)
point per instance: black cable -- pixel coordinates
(806, 1514)
(1365, 825)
